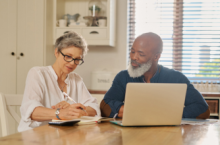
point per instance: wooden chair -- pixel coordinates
(6, 109)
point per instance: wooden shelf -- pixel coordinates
(97, 92)
(213, 114)
(206, 95)
(214, 106)
(210, 94)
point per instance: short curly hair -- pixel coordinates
(71, 39)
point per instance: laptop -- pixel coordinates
(153, 104)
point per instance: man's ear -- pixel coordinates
(56, 52)
(157, 56)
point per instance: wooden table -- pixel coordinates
(110, 134)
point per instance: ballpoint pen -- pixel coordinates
(69, 98)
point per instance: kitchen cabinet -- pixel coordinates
(94, 35)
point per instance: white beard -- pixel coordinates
(139, 71)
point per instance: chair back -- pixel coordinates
(7, 101)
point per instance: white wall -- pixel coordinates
(100, 57)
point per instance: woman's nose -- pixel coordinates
(72, 62)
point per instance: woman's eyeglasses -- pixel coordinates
(68, 58)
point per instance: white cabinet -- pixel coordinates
(26, 40)
(92, 34)
(61, 31)
(8, 35)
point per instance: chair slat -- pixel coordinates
(14, 114)
(13, 100)
(6, 103)
(3, 116)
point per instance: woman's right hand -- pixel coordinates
(72, 112)
(61, 105)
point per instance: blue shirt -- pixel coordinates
(114, 98)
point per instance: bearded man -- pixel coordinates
(144, 68)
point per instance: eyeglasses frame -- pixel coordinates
(72, 58)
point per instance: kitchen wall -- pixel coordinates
(100, 57)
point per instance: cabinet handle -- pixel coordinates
(21, 54)
(12, 53)
(94, 32)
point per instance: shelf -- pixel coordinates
(80, 27)
(213, 114)
(210, 94)
(97, 92)
(96, 36)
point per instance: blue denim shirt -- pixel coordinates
(194, 102)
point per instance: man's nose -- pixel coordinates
(134, 56)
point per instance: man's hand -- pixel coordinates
(120, 112)
(61, 105)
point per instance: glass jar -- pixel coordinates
(96, 8)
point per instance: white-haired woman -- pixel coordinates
(44, 97)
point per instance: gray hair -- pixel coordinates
(71, 39)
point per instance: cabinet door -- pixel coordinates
(30, 38)
(8, 29)
(8, 24)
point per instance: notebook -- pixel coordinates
(153, 104)
(86, 120)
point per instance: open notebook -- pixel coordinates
(86, 120)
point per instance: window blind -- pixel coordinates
(190, 30)
(131, 23)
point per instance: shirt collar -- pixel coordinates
(155, 76)
(67, 80)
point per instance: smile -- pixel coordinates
(69, 68)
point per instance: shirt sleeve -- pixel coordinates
(195, 104)
(33, 97)
(86, 98)
(114, 98)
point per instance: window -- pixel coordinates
(190, 30)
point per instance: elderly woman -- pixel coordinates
(44, 97)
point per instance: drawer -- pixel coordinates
(94, 33)
(61, 31)
(213, 105)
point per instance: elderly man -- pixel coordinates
(144, 68)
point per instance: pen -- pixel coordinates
(68, 97)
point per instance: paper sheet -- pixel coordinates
(191, 121)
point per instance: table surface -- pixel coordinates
(109, 134)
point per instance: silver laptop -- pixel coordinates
(153, 104)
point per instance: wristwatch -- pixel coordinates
(57, 113)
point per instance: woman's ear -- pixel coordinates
(56, 52)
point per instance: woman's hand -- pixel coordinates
(61, 105)
(72, 112)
